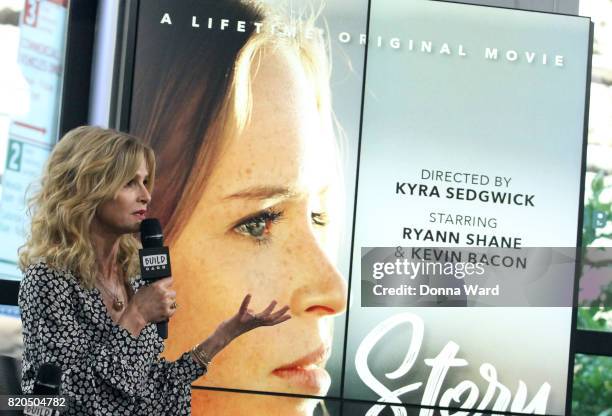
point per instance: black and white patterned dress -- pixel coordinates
(105, 370)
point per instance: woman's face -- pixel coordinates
(264, 226)
(124, 213)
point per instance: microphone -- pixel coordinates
(48, 383)
(154, 259)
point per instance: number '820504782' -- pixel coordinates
(20, 402)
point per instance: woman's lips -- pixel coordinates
(308, 372)
(141, 214)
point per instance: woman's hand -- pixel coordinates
(156, 301)
(242, 322)
(152, 303)
(246, 319)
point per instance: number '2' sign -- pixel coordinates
(13, 159)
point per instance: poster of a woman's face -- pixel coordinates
(257, 138)
(235, 99)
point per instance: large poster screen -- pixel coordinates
(305, 150)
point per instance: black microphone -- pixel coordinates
(154, 259)
(48, 383)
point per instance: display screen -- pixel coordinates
(33, 57)
(296, 165)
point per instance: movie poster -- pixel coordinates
(471, 126)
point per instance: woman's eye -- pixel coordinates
(319, 218)
(259, 225)
(134, 182)
(254, 228)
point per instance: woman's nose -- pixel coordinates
(145, 195)
(321, 289)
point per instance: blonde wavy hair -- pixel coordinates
(87, 167)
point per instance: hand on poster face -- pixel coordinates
(246, 319)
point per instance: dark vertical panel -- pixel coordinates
(76, 80)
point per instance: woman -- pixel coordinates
(243, 126)
(82, 306)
